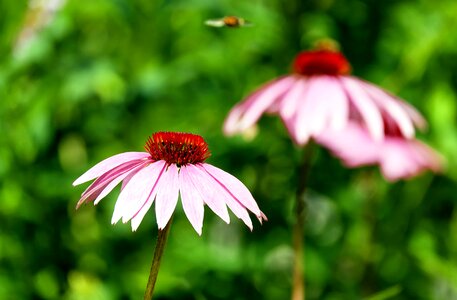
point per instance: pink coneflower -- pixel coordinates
(321, 95)
(398, 157)
(358, 121)
(173, 165)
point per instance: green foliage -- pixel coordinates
(101, 76)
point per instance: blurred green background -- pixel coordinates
(93, 78)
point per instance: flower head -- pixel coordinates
(321, 95)
(173, 165)
(320, 100)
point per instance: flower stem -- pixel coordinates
(160, 247)
(298, 288)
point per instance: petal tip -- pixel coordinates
(262, 217)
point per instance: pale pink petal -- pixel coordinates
(234, 205)
(234, 186)
(324, 106)
(337, 108)
(211, 196)
(417, 118)
(392, 107)
(108, 164)
(141, 212)
(136, 192)
(402, 158)
(370, 114)
(353, 145)
(245, 114)
(142, 205)
(191, 199)
(126, 180)
(116, 181)
(430, 158)
(398, 157)
(96, 188)
(290, 126)
(290, 104)
(167, 195)
(291, 100)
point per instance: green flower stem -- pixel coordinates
(298, 288)
(160, 247)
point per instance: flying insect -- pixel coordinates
(228, 21)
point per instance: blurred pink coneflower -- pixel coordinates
(173, 165)
(320, 98)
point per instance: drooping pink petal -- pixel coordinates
(96, 188)
(116, 181)
(392, 107)
(397, 156)
(191, 199)
(203, 183)
(290, 101)
(290, 104)
(141, 212)
(143, 204)
(235, 206)
(108, 164)
(371, 114)
(234, 186)
(136, 192)
(402, 158)
(415, 116)
(167, 195)
(324, 106)
(126, 180)
(249, 111)
(337, 107)
(353, 145)
(397, 161)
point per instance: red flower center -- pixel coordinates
(321, 62)
(177, 148)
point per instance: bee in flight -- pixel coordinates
(229, 21)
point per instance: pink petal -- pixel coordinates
(407, 158)
(325, 105)
(353, 145)
(192, 201)
(245, 114)
(392, 107)
(140, 209)
(233, 186)
(417, 118)
(290, 105)
(291, 100)
(96, 188)
(141, 212)
(167, 195)
(365, 106)
(116, 181)
(398, 157)
(108, 164)
(203, 183)
(136, 192)
(235, 206)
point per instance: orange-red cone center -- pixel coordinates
(177, 148)
(321, 62)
